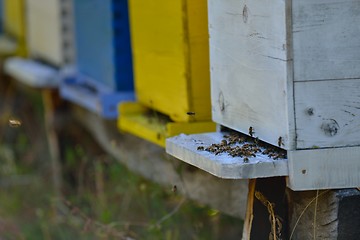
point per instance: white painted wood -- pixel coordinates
(324, 168)
(184, 147)
(326, 37)
(249, 67)
(48, 33)
(327, 113)
(31, 73)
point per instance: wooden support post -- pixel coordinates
(266, 216)
(249, 210)
(52, 138)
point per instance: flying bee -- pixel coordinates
(174, 189)
(190, 113)
(246, 160)
(14, 123)
(251, 131)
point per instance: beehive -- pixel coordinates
(50, 37)
(286, 72)
(103, 75)
(288, 69)
(171, 64)
(13, 27)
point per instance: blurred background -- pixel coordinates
(56, 181)
(100, 197)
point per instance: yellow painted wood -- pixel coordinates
(14, 24)
(171, 57)
(147, 124)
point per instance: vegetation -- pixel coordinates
(100, 198)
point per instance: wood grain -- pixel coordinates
(330, 168)
(327, 113)
(326, 39)
(184, 147)
(249, 67)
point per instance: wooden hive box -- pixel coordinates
(13, 38)
(49, 41)
(50, 35)
(103, 72)
(171, 69)
(291, 71)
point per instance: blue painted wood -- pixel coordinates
(103, 75)
(102, 38)
(93, 95)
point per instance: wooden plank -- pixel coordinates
(92, 95)
(327, 113)
(326, 39)
(169, 49)
(31, 73)
(150, 125)
(185, 148)
(14, 24)
(324, 168)
(96, 25)
(249, 67)
(44, 19)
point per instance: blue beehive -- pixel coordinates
(102, 76)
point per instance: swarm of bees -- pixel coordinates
(239, 145)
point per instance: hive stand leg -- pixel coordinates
(52, 138)
(266, 216)
(324, 214)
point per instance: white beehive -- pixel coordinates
(290, 70)
(50, 34)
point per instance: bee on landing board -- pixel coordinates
(251, 131)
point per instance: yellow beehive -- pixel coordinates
(14, 24)
(171, 65)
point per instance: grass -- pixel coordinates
(101, 199)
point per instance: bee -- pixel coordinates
(174, 189)
(14, 123)
(251, 131)
(190, 113)
(223, 142)
(200, 148)
(246, 160)
(280, 142)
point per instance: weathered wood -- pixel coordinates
(250, 67)
(324, 168)
(326, 39)
(185, 148)
(258, 51)
(329, 214)
(48, 97)
(151, 161)
(249, 216)
(327, 113)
